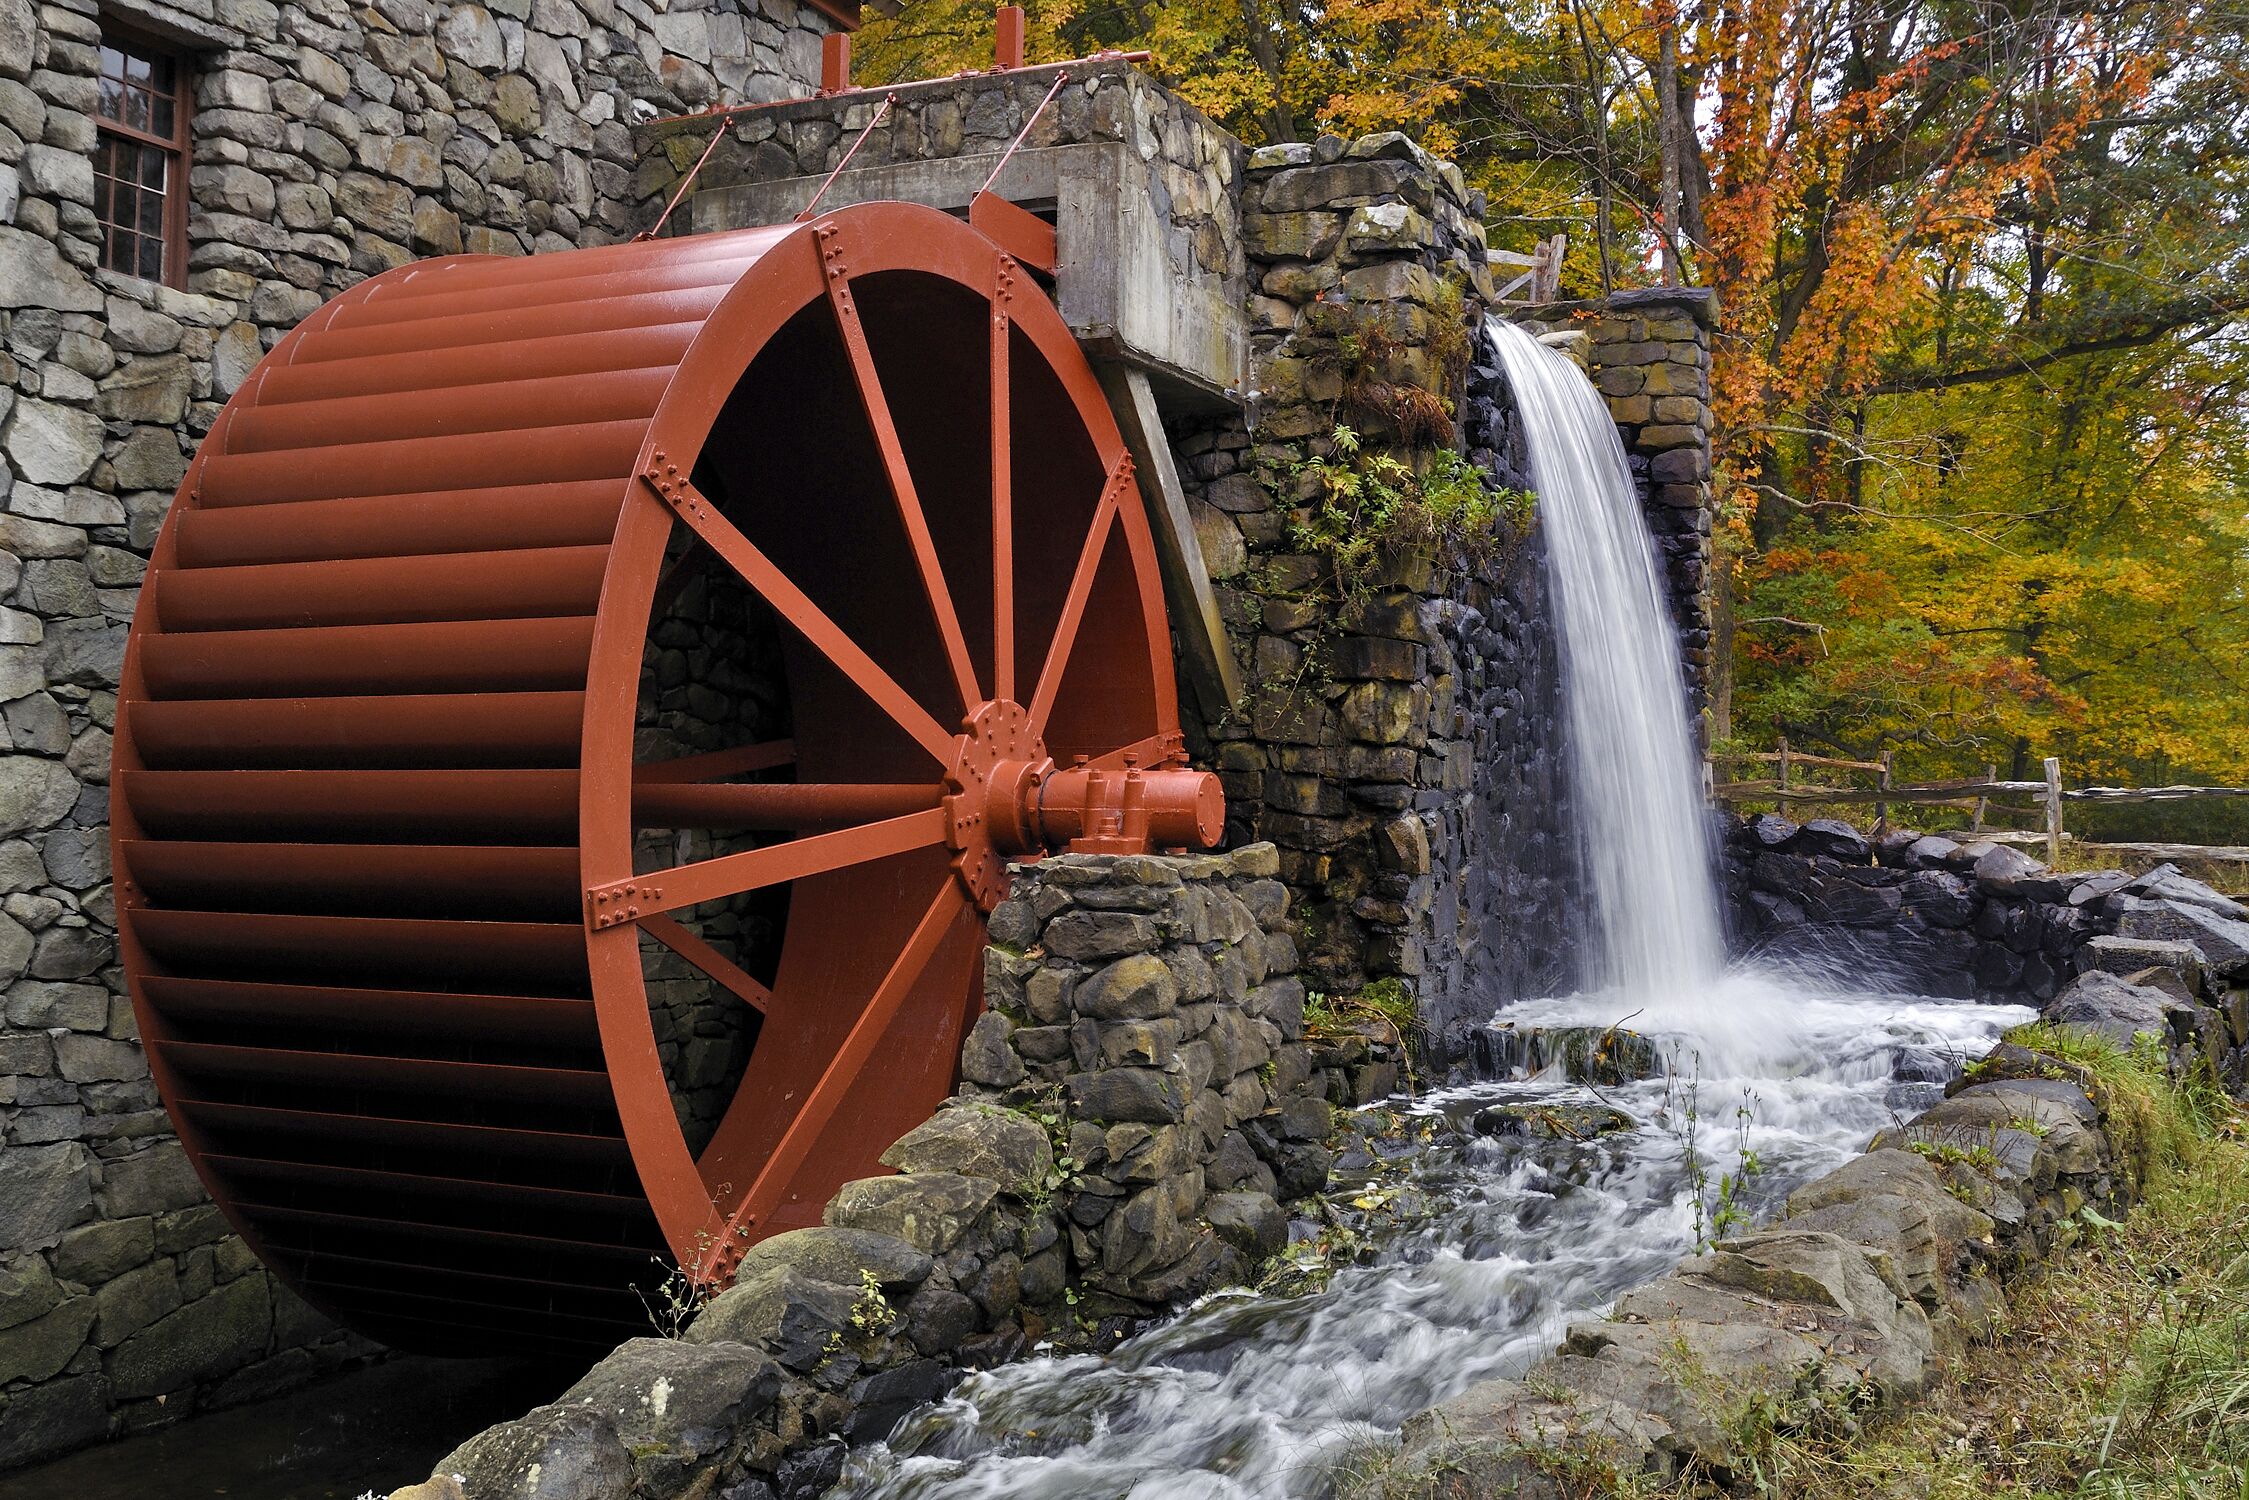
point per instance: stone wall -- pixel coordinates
(1939, 917)
(1648, 351)
(1139, 1103)
(330, 142)
(1400, 743)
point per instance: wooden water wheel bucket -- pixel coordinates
(397, 838)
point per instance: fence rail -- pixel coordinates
(1968, 793)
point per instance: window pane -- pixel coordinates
(136, 109)
(160, 116)
(111, 101)
(136, 68)
(152, 214)
(152, 259)
(113, 62)
(152, 163)
(160, 73)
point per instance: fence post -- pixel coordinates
(2053, 810)
(1983, 803)
(1784, 774)
(1882, 803)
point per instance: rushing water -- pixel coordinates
(1638, 785)
(1475, 1242)
(1483, 1247)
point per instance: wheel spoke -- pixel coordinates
(902, 490)
(716, 765)
(753, 869)
(1073, 603)
(712, 962)
(943, 917)
(782, 804)
(1155, 750)
(792, 604)
(1003, 501)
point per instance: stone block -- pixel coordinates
(932, 1211)
(43, 1191)
(1140, 1094)
(1135, 988)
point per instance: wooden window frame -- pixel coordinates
(179, 146)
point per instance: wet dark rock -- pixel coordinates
(1769, 830)
(2110, 954)
(883, 1397)
(1551, 1121)
(1939, 896)
(2222, 939)
(931, 1211)
(1252, 1222)
(1832, 838)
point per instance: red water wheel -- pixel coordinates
(389, 871)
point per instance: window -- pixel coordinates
(140, 158)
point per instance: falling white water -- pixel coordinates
(1638, 790)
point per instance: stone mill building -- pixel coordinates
(183, 184)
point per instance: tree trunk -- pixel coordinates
(1669, 130)
(1280, 120)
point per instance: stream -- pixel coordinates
(1474, 1251)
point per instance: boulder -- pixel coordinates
(2222, 939)
(675, 1405)
(2113, 1007)
(839, 1256)
(1833, 838)
(977, 1140)
(1251, 1222)
(1940, 897)
(550, 1453)
(2123, 956)
(2165, 883)
(932, 1211)
(1906, 1235)
(1931, 852)
(1504, 1437)
(788, 1314)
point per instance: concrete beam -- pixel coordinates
(1127, 285)
(1212, 672)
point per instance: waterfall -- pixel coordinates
(1638, 789)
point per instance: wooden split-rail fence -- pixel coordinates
(1974, 795)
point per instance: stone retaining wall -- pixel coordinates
(1400, 740)
(1139, 1103)
(329, 142)
(1937, 916)
(1874, 1271)
(1648, 351)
